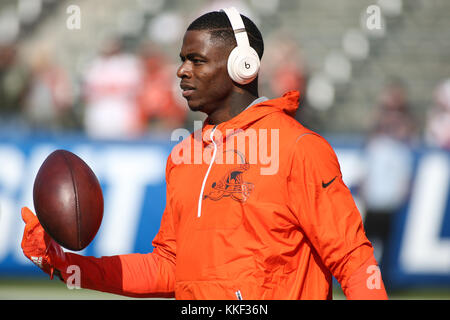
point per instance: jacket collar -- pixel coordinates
(288, 104)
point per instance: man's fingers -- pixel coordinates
(31, 224)
(27, 215)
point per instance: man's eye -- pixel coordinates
(197, 61)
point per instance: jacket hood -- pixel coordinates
(288, 104)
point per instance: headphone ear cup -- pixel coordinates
(243, 65)
(231, 65)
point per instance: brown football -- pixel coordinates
(68, 200)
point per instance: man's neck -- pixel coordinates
(234, 105)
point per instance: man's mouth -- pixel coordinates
(187, 89)
(187, 93)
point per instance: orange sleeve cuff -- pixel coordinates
(366, 283)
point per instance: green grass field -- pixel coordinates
(44, 289)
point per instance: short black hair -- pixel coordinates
(217, 23)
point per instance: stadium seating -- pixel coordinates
(413, 45)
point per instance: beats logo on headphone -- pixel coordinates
(243, 62)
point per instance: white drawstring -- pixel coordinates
(199, 212)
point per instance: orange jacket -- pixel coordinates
(269, 218)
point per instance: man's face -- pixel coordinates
(203, 72)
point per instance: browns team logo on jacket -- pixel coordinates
(232, 184)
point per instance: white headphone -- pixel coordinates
(243, 62)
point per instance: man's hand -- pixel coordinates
(39, 247)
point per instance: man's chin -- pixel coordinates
(194, 106)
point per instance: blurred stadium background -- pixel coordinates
(98, 78)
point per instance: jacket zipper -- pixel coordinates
(199, 212)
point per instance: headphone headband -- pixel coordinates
(243, 62)
(238, 26)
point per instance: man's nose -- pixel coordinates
(184, 71)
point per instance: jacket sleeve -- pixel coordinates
(135, 275)
(327, 214)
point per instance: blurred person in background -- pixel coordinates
(389, 166)
(158, 107)
(49, 98)
(437, 128)
(110, 88)
(394, 117)
(287, 68)
(288, 71)
(14, 83)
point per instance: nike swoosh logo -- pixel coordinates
(324, 185)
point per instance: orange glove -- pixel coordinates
(39, 247)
